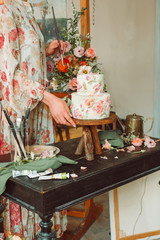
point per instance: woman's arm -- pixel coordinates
(17, 88)
(58, 108)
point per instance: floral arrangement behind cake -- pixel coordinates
(77, 53)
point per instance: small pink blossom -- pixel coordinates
(131, 148)
(73, 84)
(137, 142)
(79, 87)
(88, 78)
(79, 51)
(150, 143)
(96, 87)
(90, 52)
(67, 46)
(107, 145)
(50, 66)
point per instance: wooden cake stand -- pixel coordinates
(90, 140)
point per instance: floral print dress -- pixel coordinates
(22, 78)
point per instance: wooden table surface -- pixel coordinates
(102, 175)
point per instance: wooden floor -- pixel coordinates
(100, 229)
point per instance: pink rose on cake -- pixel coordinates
(79, 87)
(90, 52)
(77, 114)
(89, 101)
(99, 107)
(97, 87)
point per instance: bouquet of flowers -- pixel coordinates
(77, 53)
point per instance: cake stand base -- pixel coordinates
(90, 140)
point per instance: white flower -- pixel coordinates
(85, 69)
(150, 143)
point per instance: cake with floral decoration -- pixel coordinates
(90, 101)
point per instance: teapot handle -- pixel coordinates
(152, 119)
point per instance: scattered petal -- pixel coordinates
(73, 175)
(121, 150)
(131, 148)
(83, 168)
(104, 157)
(116, 157)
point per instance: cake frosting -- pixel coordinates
(90, 101)
(90, 84)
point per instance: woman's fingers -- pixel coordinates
(59, 109)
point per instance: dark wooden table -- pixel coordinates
(102, 175)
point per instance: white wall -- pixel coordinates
(124, 39)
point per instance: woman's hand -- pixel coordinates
(59, 109)
(53, 48)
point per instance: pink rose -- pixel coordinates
(77, 114)
(79, 87)
(79, 51)
(88, 78)
(99, 107)
(150, 143)
(137, 142)
(73, 84)
(89, 101)
(96, 87)
(50, 66)
(67, 46)
(90, 52)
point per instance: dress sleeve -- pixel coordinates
(15, 86)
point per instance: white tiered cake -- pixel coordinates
(90, 101)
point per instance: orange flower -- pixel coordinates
(7, 234)
(61, 67)
(83, 63)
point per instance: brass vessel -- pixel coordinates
(134, 124)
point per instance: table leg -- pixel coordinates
(96, 142)
(46, 232)
(1, 218)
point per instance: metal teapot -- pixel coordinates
(134, 124)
